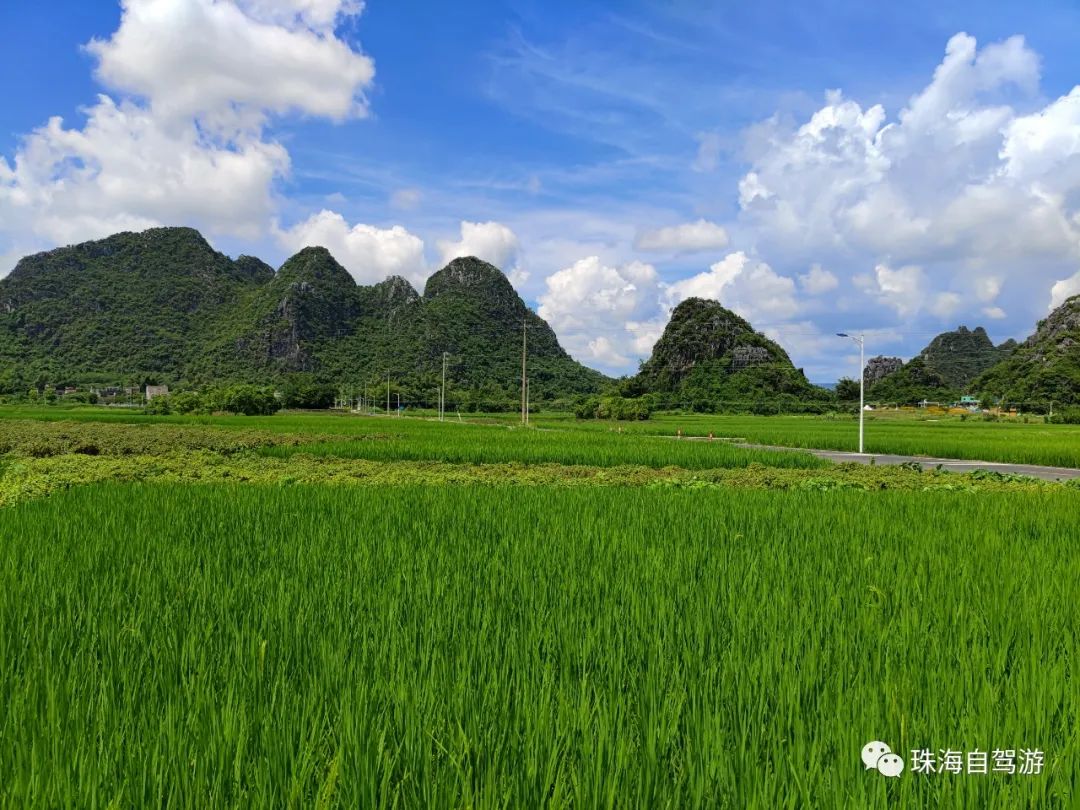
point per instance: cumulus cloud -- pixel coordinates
(691, 237)
(185, 144)
(1064, 289)
(750, 288)
(589, 291)
(370, 254)
(597, 309)
(900, 288)
(818, 280)
(493, 242)
(960, 182)
(231, 63)
(123, 171)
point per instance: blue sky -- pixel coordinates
(820, 166)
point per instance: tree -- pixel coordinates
(847, 390)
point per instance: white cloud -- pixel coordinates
(602, 351)
(589, 293)
(946, 304)
(691, 237)
(960, 183)
(122, 171)
(750, 288)
(995, 313)
(230, 63)
(186, 146)
(1064, 289)
(597, 309)
(901, 289)
(987, 288)
(369, 254)
(818, 280)
(493, 242)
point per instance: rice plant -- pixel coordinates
(247, 646)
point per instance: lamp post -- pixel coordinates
(442, 393)
(524, 378)
(861, 340)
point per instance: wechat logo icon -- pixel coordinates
(880, 757)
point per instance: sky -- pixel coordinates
(890, 169)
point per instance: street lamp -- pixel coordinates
(442, 393)
(861, 340)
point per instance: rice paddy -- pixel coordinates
(1007, 440)
(419, 647)
(400, 613)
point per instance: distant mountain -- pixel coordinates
(708, 354)
(1044, 367)
(942, 371)
(162, 305)
(961, 356)
(132, 303)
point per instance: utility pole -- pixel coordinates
(398, 395)
(442, 393)
(388, 393)
(524, 379)
(861, 340)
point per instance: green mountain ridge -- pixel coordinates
(163, 306)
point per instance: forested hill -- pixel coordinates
(1044, 367)
(945, 369)
(710, 357)
(163, 306)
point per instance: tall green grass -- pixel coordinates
(486, 444)
(421, 647)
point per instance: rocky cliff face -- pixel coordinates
(878, 368)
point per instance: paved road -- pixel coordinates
(950, 464)
(928, 462)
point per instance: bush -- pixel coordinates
(249, 400)
(1066, 416)
(614, 407)
(188, 402)
(302, 391)
(158, 406)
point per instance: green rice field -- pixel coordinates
(604, 442)
(321, 610)
(422, 647)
